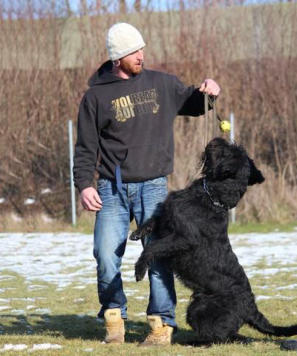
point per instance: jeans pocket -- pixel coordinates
(102, 183)
(159, 181)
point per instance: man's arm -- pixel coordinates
(190, 100)
(86, 153)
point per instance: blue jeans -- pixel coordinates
(139, 200)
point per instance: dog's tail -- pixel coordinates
(260, 323)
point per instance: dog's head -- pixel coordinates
(222, 160)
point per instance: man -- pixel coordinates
(126, 119)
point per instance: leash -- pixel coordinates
(210, 102)
(205, 119)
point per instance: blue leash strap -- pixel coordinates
(119, 182)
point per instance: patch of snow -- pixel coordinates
(284, 297)
(29, 201)
(55, 253)
(47, 257)
(128, 274)
(263, 287)
(17, 311)
(78, 300)
(12, 347)
(140, 314)
(45, 347)
(2, 290)
(4, 307)
(36, 287)
(29, 307)
(5, 300)
(267, 271)
(290, 286)
(5, 277)
(276, 247)
(263, 297)
(46, 191)
(130, 292)
(25, 299)
(43, 311)
(79, 287)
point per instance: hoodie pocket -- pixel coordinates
(146, 161)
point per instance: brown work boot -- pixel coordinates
(160, 335)
(115, 328)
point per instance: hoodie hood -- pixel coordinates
(103, 75)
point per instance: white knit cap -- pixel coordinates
(123, 39)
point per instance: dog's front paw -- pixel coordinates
(140, 270)
(135, 236)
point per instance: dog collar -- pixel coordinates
(215, 202)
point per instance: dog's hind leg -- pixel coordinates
(211, 321)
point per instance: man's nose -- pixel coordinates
(140, 54)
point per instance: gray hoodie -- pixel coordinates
(128, 123)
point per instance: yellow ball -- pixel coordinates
(225, 126)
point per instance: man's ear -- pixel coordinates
(255, 174)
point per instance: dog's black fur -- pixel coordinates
(191, 237)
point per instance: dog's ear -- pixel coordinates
(256, 175)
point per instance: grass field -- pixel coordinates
(48, 297)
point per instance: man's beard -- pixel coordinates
(131, 68)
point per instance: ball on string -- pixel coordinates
(225, 126)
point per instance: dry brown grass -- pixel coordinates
(250, 53)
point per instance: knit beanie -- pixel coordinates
(123, 39)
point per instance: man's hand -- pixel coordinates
(210, 87)
(90, 199)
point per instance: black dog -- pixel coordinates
(191, 237)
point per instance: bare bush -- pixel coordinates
(50, 49)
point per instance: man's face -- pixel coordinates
(132, 63)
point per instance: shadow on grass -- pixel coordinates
(74, 326)
(89, 328)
